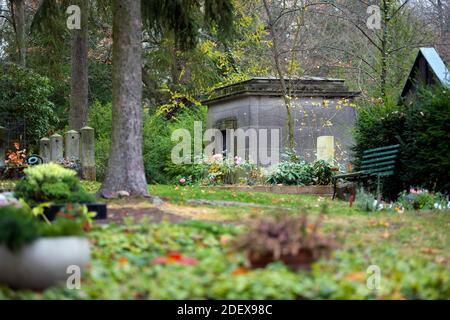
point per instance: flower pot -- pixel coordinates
(302, 260)
(100, 208)
(43, 263)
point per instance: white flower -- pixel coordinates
(217, 158)
(3, 201)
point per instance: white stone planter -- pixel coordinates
(43, 263)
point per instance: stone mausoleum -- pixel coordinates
(323, 110)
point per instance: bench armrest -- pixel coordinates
(349, 175)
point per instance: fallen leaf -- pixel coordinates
(427, 250)
(239, 271)
(224, 239)
(356, 276)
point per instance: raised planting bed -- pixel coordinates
(43, 263)
(100, 208)
(312, 190)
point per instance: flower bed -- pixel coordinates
(414, 199)
(218, 170)
(313, 190)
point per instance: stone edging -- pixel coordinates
(312, 190)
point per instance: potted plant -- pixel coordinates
(286, 238)
(35, 253)
(55, 186)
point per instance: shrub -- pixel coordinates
(292, 173)
(189, 174)
(51, 183)
(157, 149)
(323, 172)
(157, 145)
(427, 141)
(24, 98)
(100, 118)
(421, 129)
(302, 173)
(17, 227)
(379, 126)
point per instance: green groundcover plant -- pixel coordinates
(196, 260)
(19, 225)
(295, 172)
(51, 183)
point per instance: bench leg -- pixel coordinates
(378, 189)
(334, 188)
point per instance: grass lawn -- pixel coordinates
(411, 250)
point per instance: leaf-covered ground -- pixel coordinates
(193, 258)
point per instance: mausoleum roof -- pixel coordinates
(305, 86)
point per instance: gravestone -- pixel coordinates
(88, 153)
(72, 145)
(325, 148)
(56, 147)
(45, 150)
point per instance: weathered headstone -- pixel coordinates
(72, 145)
(325, 148)
(2, 146)
(56, 147)
(45, 150)
(88, 153)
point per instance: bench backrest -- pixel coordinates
(380, 161)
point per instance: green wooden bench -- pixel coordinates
(378, 162)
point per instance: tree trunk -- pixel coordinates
(126, 165)
(20, 22)
(384, 55)
(79, 81)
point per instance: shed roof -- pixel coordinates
(435, 64)
(270, 86)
